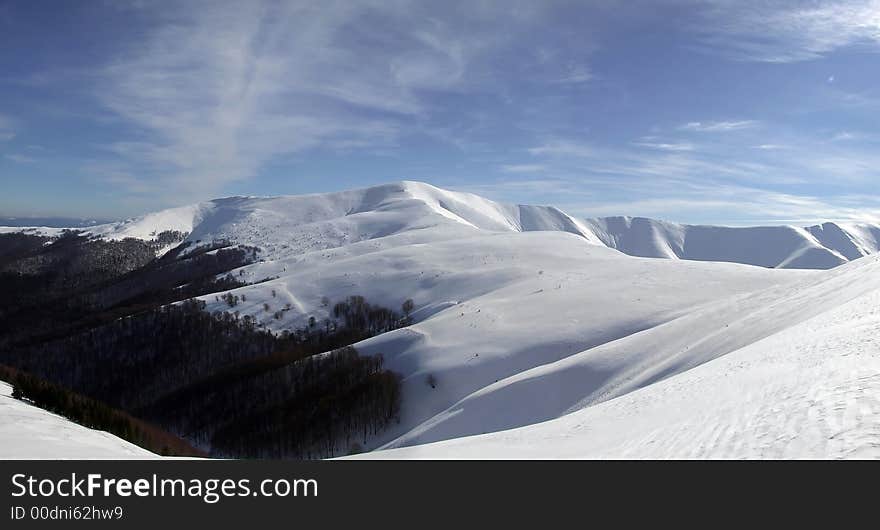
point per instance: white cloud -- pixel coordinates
(511, 189)
(854, 137)
(734, 206)
(19, 159)
(757, 30)
(576, 74)
(523, 168)
(719, 126)
(724, 177)
(563, 148)
(667, 146)
(6, 128)
(217, 92)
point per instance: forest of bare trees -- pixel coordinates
(128, 341)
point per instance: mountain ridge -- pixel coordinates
(371, 213)
(822, 246)
(510, 302)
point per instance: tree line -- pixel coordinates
(94, 414)
(133, 339)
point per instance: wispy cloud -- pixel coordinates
(197, 96)
(741, 206)
(221, 91)
(770, 147)
(575, 74)
(218, 94)
(783, 32)
(523, 168)
(667, 146)
(563, 148)
(19, 159)
(720, 177)
(6, 128)
(854, 137)
(855, 100)
(719, 126)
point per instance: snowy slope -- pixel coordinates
(289, 225)
(853, 241)
(810, 389)
(182, 219)
(293, 224)
(523, 313)
(638, 360)
(28, 432)
(817, 247)
(491, 306)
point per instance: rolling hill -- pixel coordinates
(805, 386)
(533, 325)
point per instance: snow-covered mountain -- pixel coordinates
(817, 247)
(529, 319)
(291, 224)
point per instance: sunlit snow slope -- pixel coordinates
(27, 432)
(291, 224)
(808, 389)
(525, 318)
(816, 247)
(492, 306)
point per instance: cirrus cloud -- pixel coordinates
(788, 31)
(719, 126)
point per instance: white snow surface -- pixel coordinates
(292, 224)
(817, 247)
(809, 390)
(27, 433)
(536, 330)
(492, 306)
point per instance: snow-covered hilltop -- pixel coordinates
(289, 225)
(539, 329)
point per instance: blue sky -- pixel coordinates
(722, 111)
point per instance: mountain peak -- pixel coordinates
(416, 211)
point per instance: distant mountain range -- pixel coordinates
(533, 333)
(252, 221)
(816, 247)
